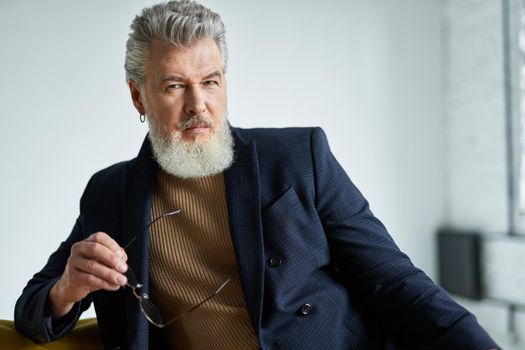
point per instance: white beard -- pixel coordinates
(194, 158)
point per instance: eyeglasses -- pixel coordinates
(149, 310)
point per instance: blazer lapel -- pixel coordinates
(244, 208)
(137, 214)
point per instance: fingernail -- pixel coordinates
(122, 267)
(119, 253)
(121, 280)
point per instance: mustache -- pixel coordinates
(195, 121)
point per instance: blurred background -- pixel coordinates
(420, 101)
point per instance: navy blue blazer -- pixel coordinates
(289, 199)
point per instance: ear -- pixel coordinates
(136, 97)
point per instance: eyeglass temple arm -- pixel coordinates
(217, 291)
(151, 223)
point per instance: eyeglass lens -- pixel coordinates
(148, 308)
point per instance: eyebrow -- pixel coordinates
(170, 77)
(216, 74)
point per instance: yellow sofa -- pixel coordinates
(85, 336)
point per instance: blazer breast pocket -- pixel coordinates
(294, 241)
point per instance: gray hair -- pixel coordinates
(180, 23)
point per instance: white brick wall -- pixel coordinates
(476, 185)
(475, 119)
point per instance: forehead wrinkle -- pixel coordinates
(184, 63)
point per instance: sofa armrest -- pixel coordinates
(85, 336)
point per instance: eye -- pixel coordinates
(211, 83)
(174, 86)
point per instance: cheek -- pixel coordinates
(166, 109)
(219, 104)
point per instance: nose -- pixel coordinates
(194, 100)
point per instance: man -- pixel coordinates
(266, 214)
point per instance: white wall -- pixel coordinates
(476, 164)
(368, 72)
(475, 115)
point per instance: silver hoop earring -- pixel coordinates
(142, 118)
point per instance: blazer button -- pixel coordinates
(305, 309)
(274, 262)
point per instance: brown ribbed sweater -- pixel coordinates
(191, 254)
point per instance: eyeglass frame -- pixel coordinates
(149, 310)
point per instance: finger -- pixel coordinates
(95, 251)
(93, 282)
(122, 254)
(96, 269)
(106, 240)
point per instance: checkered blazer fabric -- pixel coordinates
(318, 269)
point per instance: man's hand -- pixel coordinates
(97, 262)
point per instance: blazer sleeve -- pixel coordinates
(32, 317)
(417, 313)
